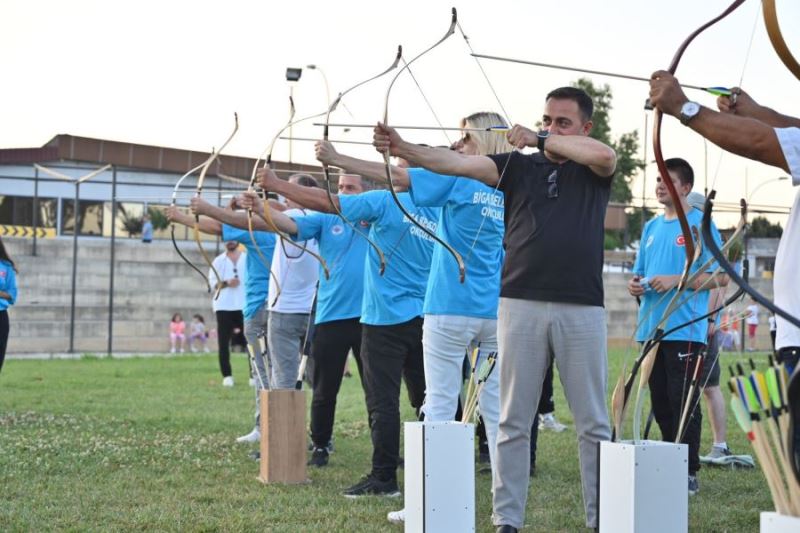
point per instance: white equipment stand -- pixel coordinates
(439, 477)
(778, 523)
(643, 487)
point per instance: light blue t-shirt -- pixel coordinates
(8, 283)
(147, 231)
(466, 205)
(339, 297)
(256, 286)
(662, 252)
(397, 296)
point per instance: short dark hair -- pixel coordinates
(578, 96)
(682, 168)
(305, 180)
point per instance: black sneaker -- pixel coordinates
(694, 486)
(319, 457)
(372, 486)
(330, 447)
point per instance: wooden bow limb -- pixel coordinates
(645, 369)
(326, 170)
(698, 366)
(172, 227)
(776, 37)
(728, 268)
(267, 216)
(386, 157)
(198, 194)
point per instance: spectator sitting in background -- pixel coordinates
(198, 333)
(177, 327)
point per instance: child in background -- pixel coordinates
(752, 324)
(176, 331)
(198, 333)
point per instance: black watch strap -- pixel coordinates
(540, 141)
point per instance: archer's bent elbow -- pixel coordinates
(609, 160)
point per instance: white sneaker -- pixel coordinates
(252, 437)
(227, 381)
(548, 421)
(397, 517)
(252, 382)
(207, 350)
(194, 350)
(172, 350)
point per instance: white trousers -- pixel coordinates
(445, 339)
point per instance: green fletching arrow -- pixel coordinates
(774, 388)
(742, 417)
(752, 399)
(760, 389)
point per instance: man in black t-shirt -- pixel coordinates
(551, 297)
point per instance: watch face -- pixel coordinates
(690, 109)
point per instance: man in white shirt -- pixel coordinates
(296, 272)
(228, 307)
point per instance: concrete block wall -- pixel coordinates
(621, 310)
(152, 283)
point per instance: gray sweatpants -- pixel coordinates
(285, 336)
(530, 334)
(255, 327)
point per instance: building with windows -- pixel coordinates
(37, 189)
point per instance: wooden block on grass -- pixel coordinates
(283, 436)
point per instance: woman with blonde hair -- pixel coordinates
(457, 315)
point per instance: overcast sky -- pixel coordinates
(171, 73)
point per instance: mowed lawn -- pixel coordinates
(148, 444)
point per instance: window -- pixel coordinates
(18, 211)
(90, 217)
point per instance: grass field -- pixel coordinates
(148, 444)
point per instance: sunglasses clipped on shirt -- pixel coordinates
(552, 185)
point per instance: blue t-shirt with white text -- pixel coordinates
(256, 286)
(398, 295)
(339, 297)
(662, 252)
(8, 283)
(472, 223)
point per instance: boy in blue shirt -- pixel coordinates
(657, 272)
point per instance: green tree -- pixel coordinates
(762, 227)
(158, 217)
(628, 164)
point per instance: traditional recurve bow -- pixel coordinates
(776, 37)
(387, 162)
(198, 193)
(173, 203)
(326, 170)
(620, 395)
(267, 216)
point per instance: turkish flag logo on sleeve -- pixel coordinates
(680, 241)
